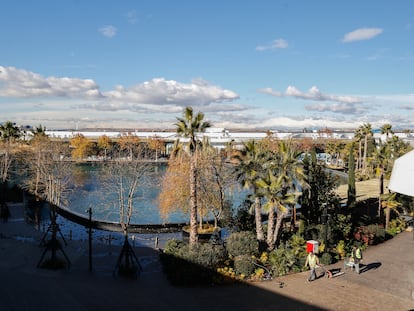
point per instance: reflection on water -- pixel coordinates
(89, 191)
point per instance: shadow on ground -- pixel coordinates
(370, 266)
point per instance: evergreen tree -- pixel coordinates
(351, 178)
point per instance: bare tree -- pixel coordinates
(9, 135)
(48, 176)
(123, 178)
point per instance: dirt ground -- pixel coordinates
(364, 189)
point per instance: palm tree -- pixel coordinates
(277, 200)
(8, 131)
(249, 168)
(389, 203)
(387, 130)
(189, 126)
(284, 172)
(381, 158)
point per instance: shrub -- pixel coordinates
(326, 259)
(204, 254)
(244, 220)
(242, 243)
(371, 234)
(396, 226)
(341, 249)
(298, 245)
(173, 246)
(282, 261)
(195, 266)
(243, 264)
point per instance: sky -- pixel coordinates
(263, 64)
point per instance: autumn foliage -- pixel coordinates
(175, 194)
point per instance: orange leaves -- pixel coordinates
(175, 187)
(81, 146)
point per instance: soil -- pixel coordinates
(366, 189)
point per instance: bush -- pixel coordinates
(173, 246)
(243, 264)
(195, 266)
(282, 261)
(396, 226)
(242, 243)
(326, 259)
(341, 250)
(370, 235)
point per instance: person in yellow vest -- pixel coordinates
(312, 261)
(356, 256)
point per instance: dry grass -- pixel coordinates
(364, 189)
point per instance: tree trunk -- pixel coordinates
(279, 221)
(381, 191)
(387, 217)
(270, 225)
(364, 169)
(258, 219)
(193, 203)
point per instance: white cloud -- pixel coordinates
(22, 83)
(361, 34)
(132, 17)
(344, 108)
(108, 31)
(160, 91)
(19, 83)
(60, 102)
(274, 45)
(313, 94)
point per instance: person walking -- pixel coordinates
(312, 261)
(356, 256)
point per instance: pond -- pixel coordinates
(89, 192)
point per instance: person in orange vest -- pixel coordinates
(312, 261)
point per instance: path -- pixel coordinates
(24, 287)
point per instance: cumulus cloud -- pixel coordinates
(344, 108)
(274, 45)
(108, 31)
(22, 83)
(312, 94)
(361, 34)
(160, 91)
(157, 92)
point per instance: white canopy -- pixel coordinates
(402, 176)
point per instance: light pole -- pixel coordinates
(90, 238)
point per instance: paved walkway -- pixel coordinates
(386, 284)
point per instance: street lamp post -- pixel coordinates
(90, 238)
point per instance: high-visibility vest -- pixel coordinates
(312, 261)
(358, 253)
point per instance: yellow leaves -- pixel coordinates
(175, 186)
(156, 144)
(389, 201)
(104, 142)
(127, 142)
(81, 146)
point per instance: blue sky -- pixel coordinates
(262, 64)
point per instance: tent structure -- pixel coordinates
(402, 176)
